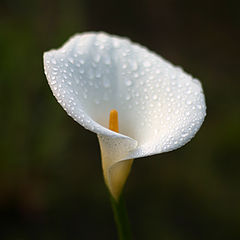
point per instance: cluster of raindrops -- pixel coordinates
(94, 73)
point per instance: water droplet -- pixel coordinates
(124, 66)
(90, 74)
(134, 65)
(98, 75)
(102, 37)
(135, 75)
(128, 83)
(184, 134)
(106, 83)
(53, 82)
(107, 60)
(155, 97)
(71, 60)
(53, 61)
(81, 71)
(116, 43)
(76, 80)
(97, 58)
(128, 97)
(146, 64)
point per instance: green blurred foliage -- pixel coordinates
(51, 184)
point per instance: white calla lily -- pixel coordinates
(160, 107)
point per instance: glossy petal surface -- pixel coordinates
(160, 107)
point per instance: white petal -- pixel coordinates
(160, 107)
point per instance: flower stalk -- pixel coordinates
(121, 218)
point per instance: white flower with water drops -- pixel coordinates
(160, 107)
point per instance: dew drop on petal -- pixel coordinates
(97, 58)
(128, 83)
(134, 65)
(155, 97)
(116, 43)
(106, 83)
(107, 60)
(135, 75)
(97, 101)
(53, 82)
(71, 60)
(128, 97)
(146, 64)
(53, 61)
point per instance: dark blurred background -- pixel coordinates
(51, 184)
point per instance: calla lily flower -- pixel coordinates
(160, 107)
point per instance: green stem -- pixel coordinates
(121, 218)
